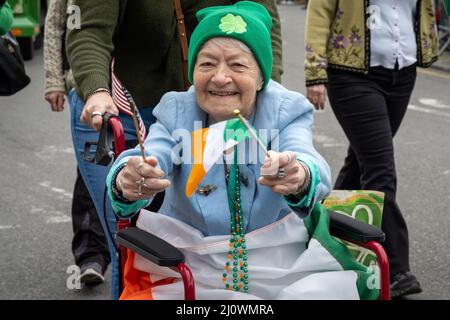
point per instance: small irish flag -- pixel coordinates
(209, 144)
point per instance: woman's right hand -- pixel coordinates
(56, 100)
(131, 175)
(100, 103)
(317, 95)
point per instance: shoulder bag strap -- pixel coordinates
(183, 40)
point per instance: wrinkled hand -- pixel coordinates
(56, 100)
(295, 173)
(135, 169)
(317, 94)
(98, 102)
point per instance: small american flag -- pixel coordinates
(122, 102)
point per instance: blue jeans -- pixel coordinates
(95, 175)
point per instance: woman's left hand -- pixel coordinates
(295, 174)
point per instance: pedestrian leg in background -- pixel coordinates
(370, 110)
(89, 244)
(95, 175)
(349, 177)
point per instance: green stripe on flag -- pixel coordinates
(236, 130)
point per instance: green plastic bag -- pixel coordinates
(363, 205)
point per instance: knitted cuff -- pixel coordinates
(308, 197)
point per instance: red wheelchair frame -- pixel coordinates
(164, 254)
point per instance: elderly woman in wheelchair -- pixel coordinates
(248, 229)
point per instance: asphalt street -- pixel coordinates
(38, 171)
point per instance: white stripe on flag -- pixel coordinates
(215, 144)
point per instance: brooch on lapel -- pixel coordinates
(206, 189)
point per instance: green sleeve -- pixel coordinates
(275, 34)
(89, 48)
(319, 18)
(6, 18)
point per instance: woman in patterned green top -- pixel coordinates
(365, 53)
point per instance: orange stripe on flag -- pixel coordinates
(137, 284)
(196, 175)
(198, 171)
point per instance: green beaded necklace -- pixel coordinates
(237, 248)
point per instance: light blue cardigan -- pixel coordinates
(276, 108)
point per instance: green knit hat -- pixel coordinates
(246, 21)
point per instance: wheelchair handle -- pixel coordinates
(111, 141)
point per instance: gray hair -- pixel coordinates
(228, 43)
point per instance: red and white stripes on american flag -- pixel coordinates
(121, 101)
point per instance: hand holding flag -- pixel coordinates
(137, 170)
(295, 174)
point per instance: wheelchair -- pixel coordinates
(112, 142)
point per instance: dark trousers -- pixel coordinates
(89, 241)
(370, 109)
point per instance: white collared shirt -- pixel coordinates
(392, 36)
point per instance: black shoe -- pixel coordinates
(403, 284)
(91, 273)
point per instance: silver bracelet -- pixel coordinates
(305, 185)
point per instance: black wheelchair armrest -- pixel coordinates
(349, 229)
(150, 247)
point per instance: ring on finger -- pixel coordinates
(96, 113)
(281, 173)
(140, 183)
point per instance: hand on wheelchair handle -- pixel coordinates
(96, 106)
(141, 180)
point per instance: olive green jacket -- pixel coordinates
(337, 36)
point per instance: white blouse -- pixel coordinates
(392, 36)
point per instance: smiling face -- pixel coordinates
(226, 77)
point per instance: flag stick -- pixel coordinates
(237, 113)
(135, 120)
